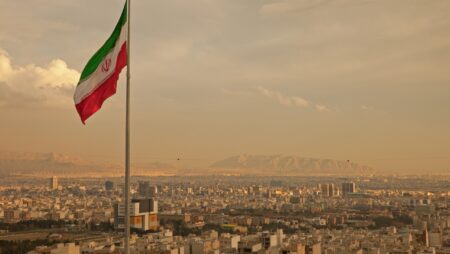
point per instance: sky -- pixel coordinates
(360, 80)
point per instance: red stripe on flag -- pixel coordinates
(94, 101)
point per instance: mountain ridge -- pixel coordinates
(48, 164)
(288, 165)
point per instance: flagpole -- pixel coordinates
(127, 139)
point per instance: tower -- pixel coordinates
(144, 189)
(54, 183)
(349, 187)
(109, 185)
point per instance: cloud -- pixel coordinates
(31, 85)
(291, 101)
(288, 101)
(322, 108)
(366, 108)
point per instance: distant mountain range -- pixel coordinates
(48, 164)
(287, 165)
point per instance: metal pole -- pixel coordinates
(127, 140)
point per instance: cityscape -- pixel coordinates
(225, 127)
(228, 214)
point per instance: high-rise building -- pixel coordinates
(268, 239)
(143, 214)
(54, 183)
(331, 190)
(153, 191)
(327, 189)
(324, 189)
(144, 189)
(109, 185)
(349, 187)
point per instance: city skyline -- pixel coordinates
(364, 81)
(228, 215)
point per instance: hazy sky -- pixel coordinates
(362, 80)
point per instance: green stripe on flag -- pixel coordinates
(98, 57)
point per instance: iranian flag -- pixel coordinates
(98, 80)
